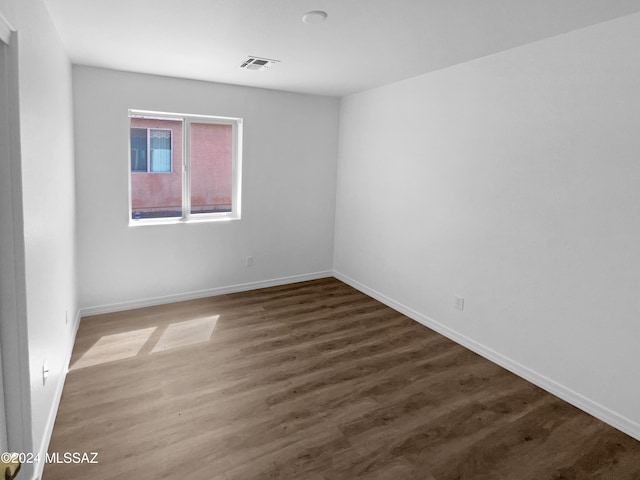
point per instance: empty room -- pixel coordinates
(320, 239)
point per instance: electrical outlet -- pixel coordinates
(459, 303)
(249, 261)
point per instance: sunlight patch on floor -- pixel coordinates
(187, 333)
(115, 347)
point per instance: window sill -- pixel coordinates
(177, 221)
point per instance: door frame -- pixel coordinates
(14, 351)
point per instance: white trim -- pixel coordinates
(206, 218)
(16, 374)
(242, 287)
(601, 412)
(5, 29)
(151, 114)
(186, 170)
(51, 420)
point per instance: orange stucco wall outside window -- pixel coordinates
(211, 164)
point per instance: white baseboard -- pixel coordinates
(51, 420)
(242, 287)
(608, 416)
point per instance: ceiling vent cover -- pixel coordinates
(257, 63)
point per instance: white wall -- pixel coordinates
(44, 223)
(512, 181)
(288, 204)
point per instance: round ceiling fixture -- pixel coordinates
(316, 16)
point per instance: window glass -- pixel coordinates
(156, 180)
(211, 167)
(138, 149)
(184, 166)
(160, 150)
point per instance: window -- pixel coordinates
(151, 150)
(183, 167)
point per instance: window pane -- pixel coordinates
(138, 149)
(160, 150)
(157, 193)
(211, 167)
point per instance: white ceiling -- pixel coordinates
(362, 44)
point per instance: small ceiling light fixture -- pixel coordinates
(316, 16)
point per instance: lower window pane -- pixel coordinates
(211, 167)
(156, 192)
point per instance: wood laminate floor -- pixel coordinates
(311, 381)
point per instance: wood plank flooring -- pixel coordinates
(311, 381)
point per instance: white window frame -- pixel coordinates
(236, 167)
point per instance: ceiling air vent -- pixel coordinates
(257, 63)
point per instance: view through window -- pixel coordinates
(184, 166)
